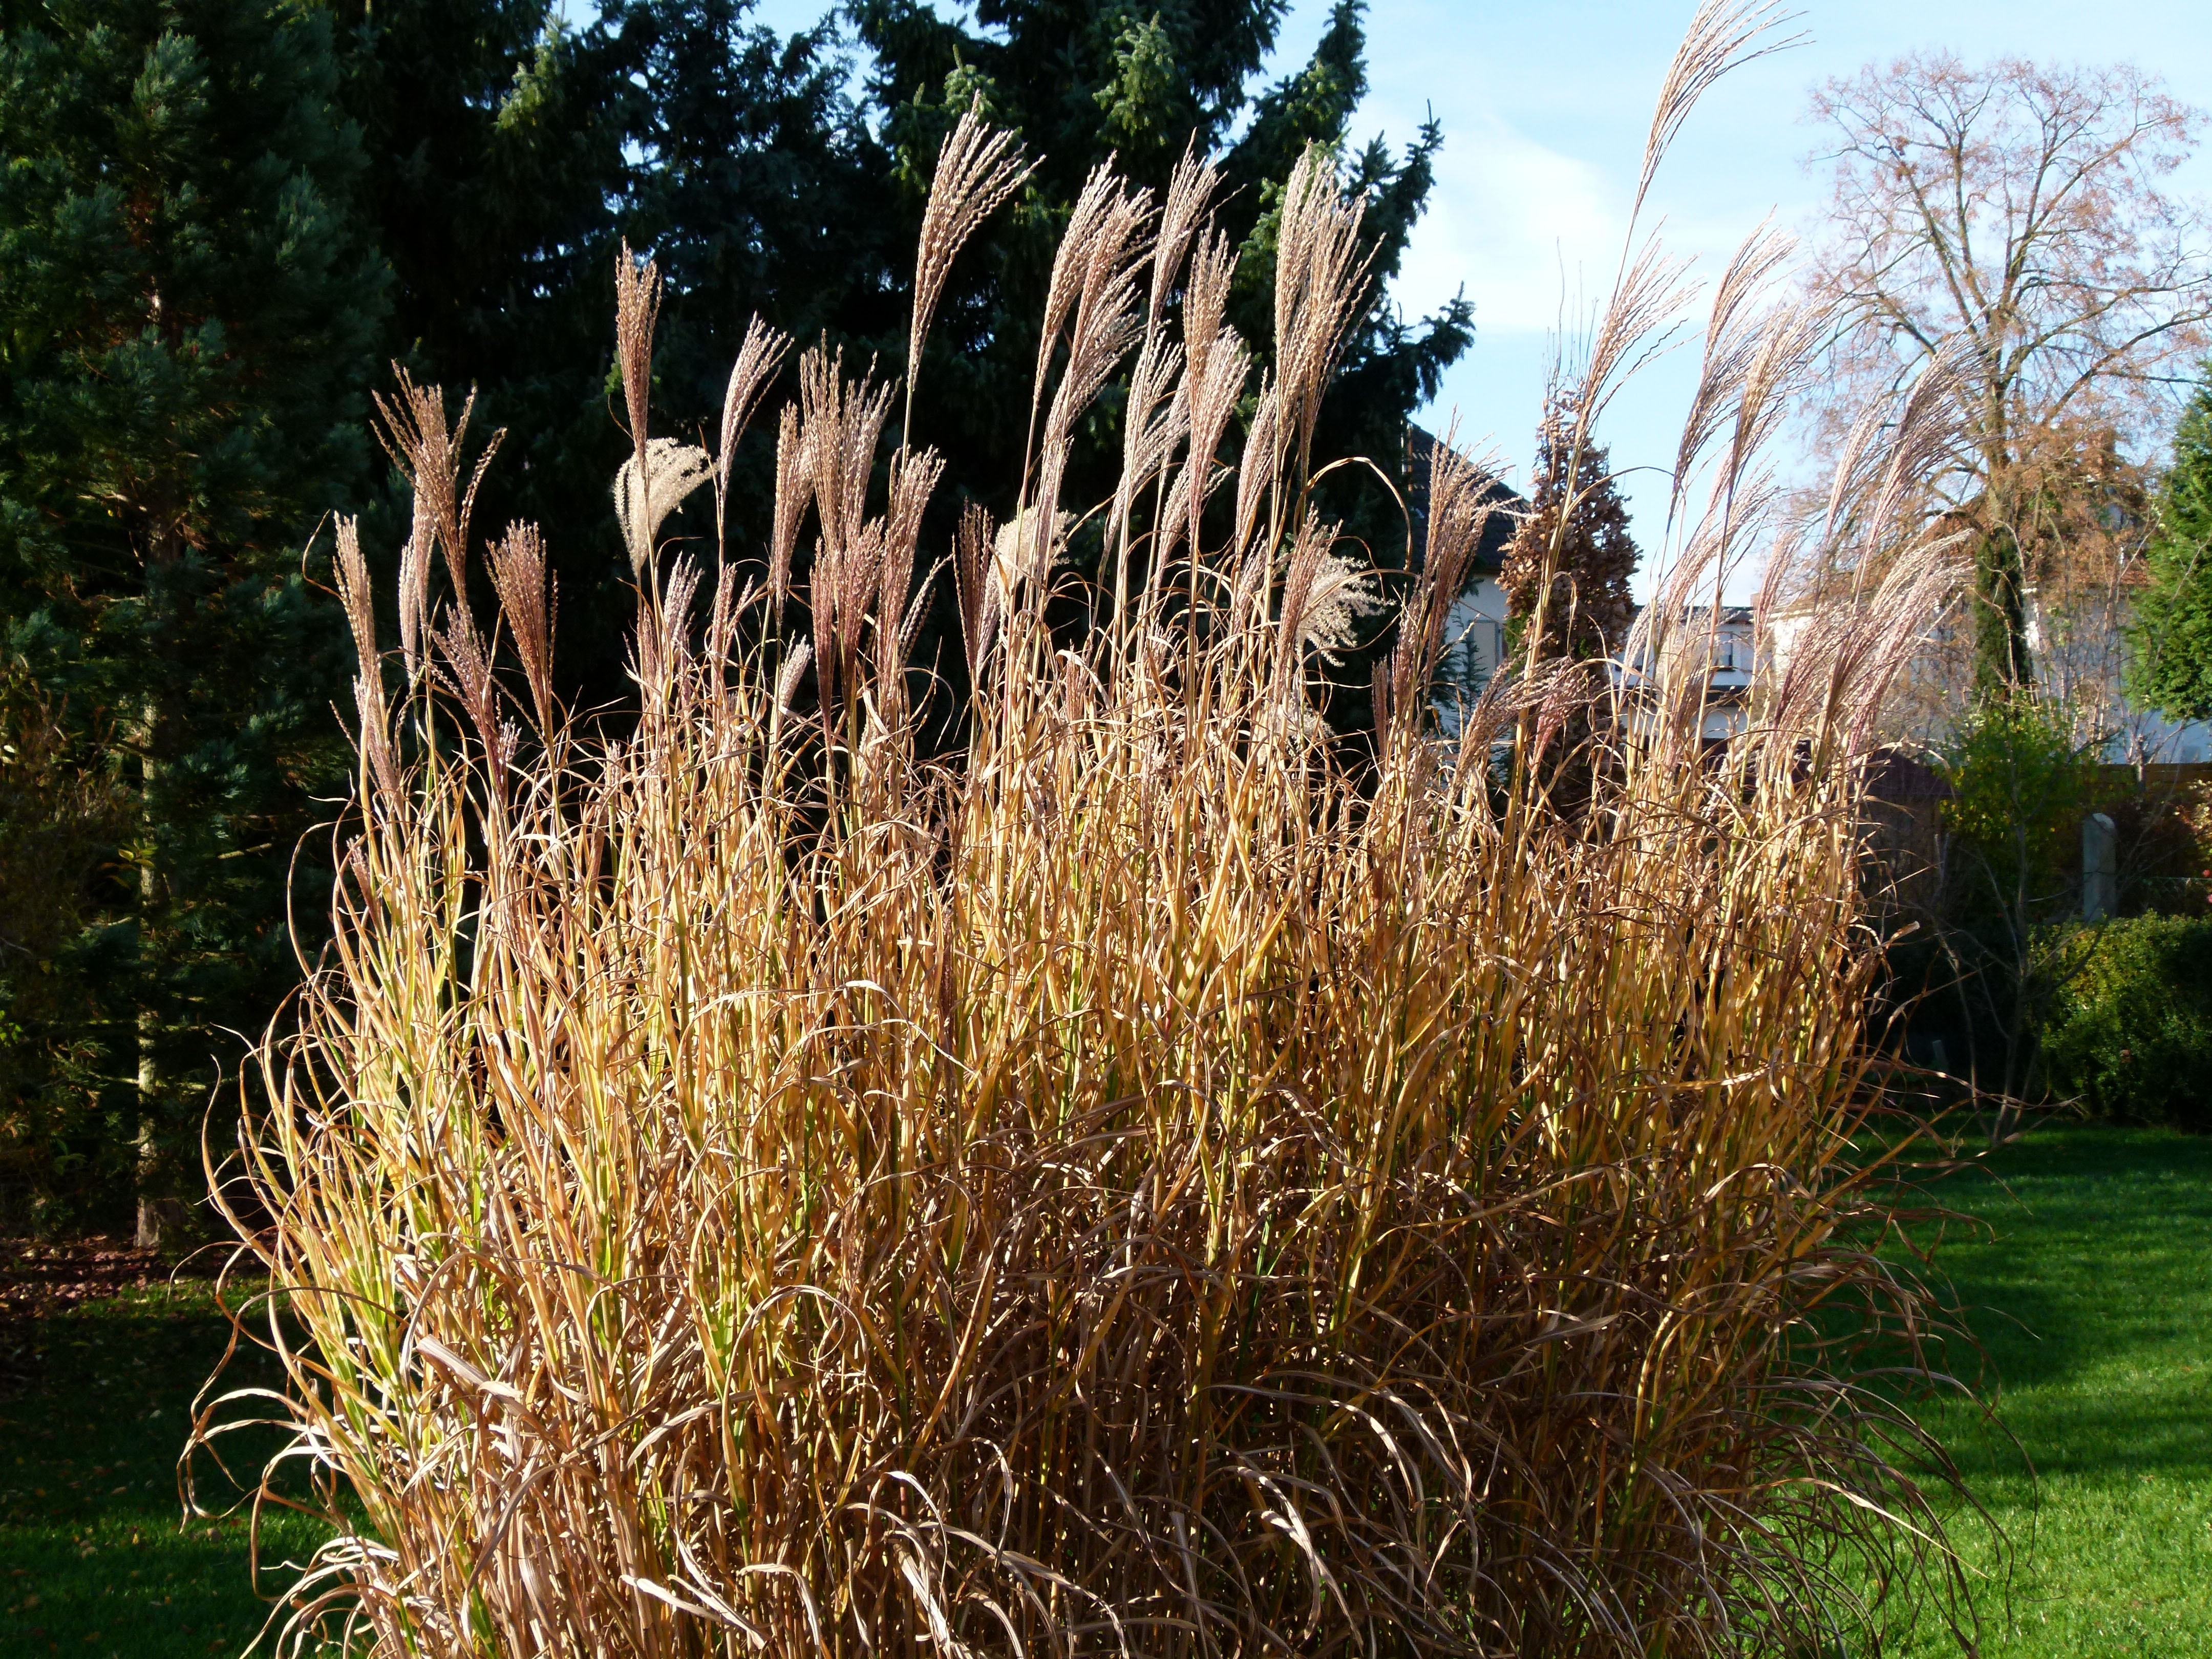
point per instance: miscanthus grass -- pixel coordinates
(1142, 1183)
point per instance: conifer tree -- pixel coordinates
(2171, 668)
(1081, 80)
(186, 318)
(511, 153)
(1588, 609)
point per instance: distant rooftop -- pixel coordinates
(1497, 530)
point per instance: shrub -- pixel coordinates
(2018, 780)
(1145, 1183)
(2132, 1034)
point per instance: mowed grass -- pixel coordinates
(2089, 1287)
(96, 1557)
(2092, 1295)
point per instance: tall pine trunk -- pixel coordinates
(160, 1212)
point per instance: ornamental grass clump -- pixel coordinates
(1140, 1183)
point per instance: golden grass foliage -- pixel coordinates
(1137, 1186)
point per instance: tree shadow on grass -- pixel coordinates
(98, 1557)
(2087, 1287)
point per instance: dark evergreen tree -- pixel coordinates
(61, 817)
(2172, 669)
(187, 313)
(512, 153)
(1081, 80)
(1589, 561)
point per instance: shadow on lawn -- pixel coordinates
(98, 1371)
(2089, 1262)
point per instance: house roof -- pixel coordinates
(1497, 531)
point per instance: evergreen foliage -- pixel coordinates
(2172, 669)
(187, 311)
(222, 224)
(62, 1138)
(1081, 80)
(511, 155)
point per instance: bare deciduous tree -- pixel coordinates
(2023, 219)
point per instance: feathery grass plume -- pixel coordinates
(978, 167)
(843, 423)
(975, 583)
(1733, 337)
(1210, 398)
(1190, 191)
(416, 557)
(637, 310)
(1217, 363)
(1640, 323)
(1155, 422)
(1723, 35)
(430, 454)
(1016, 565)
(1140, 1185)
(1096, 203)
(1205, 300)
(1322, 289)
(462, 668)
(1324, 598)
(1261, 467)
(1094, 286)
(1157, 417)
(794, 493)
(759, 355)
(1460, 506)
(528, 600)
(357, 597)
(1092, 271)
(1649, 289)
(647, 489)
(913, 481)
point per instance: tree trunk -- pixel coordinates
(160, 1214)
(2003, 667)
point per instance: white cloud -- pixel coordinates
(1524, 228)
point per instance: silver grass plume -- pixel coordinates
(645, 495)
(978, 167)
(1321, 287)
(637, 308)
(759, 355)
(357, 597)
(429, 453)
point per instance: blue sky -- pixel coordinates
(1544, 108)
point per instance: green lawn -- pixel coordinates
(93, 1557)
(2092, 1291)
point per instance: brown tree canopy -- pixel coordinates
(2017, 221)
(1590, 559)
